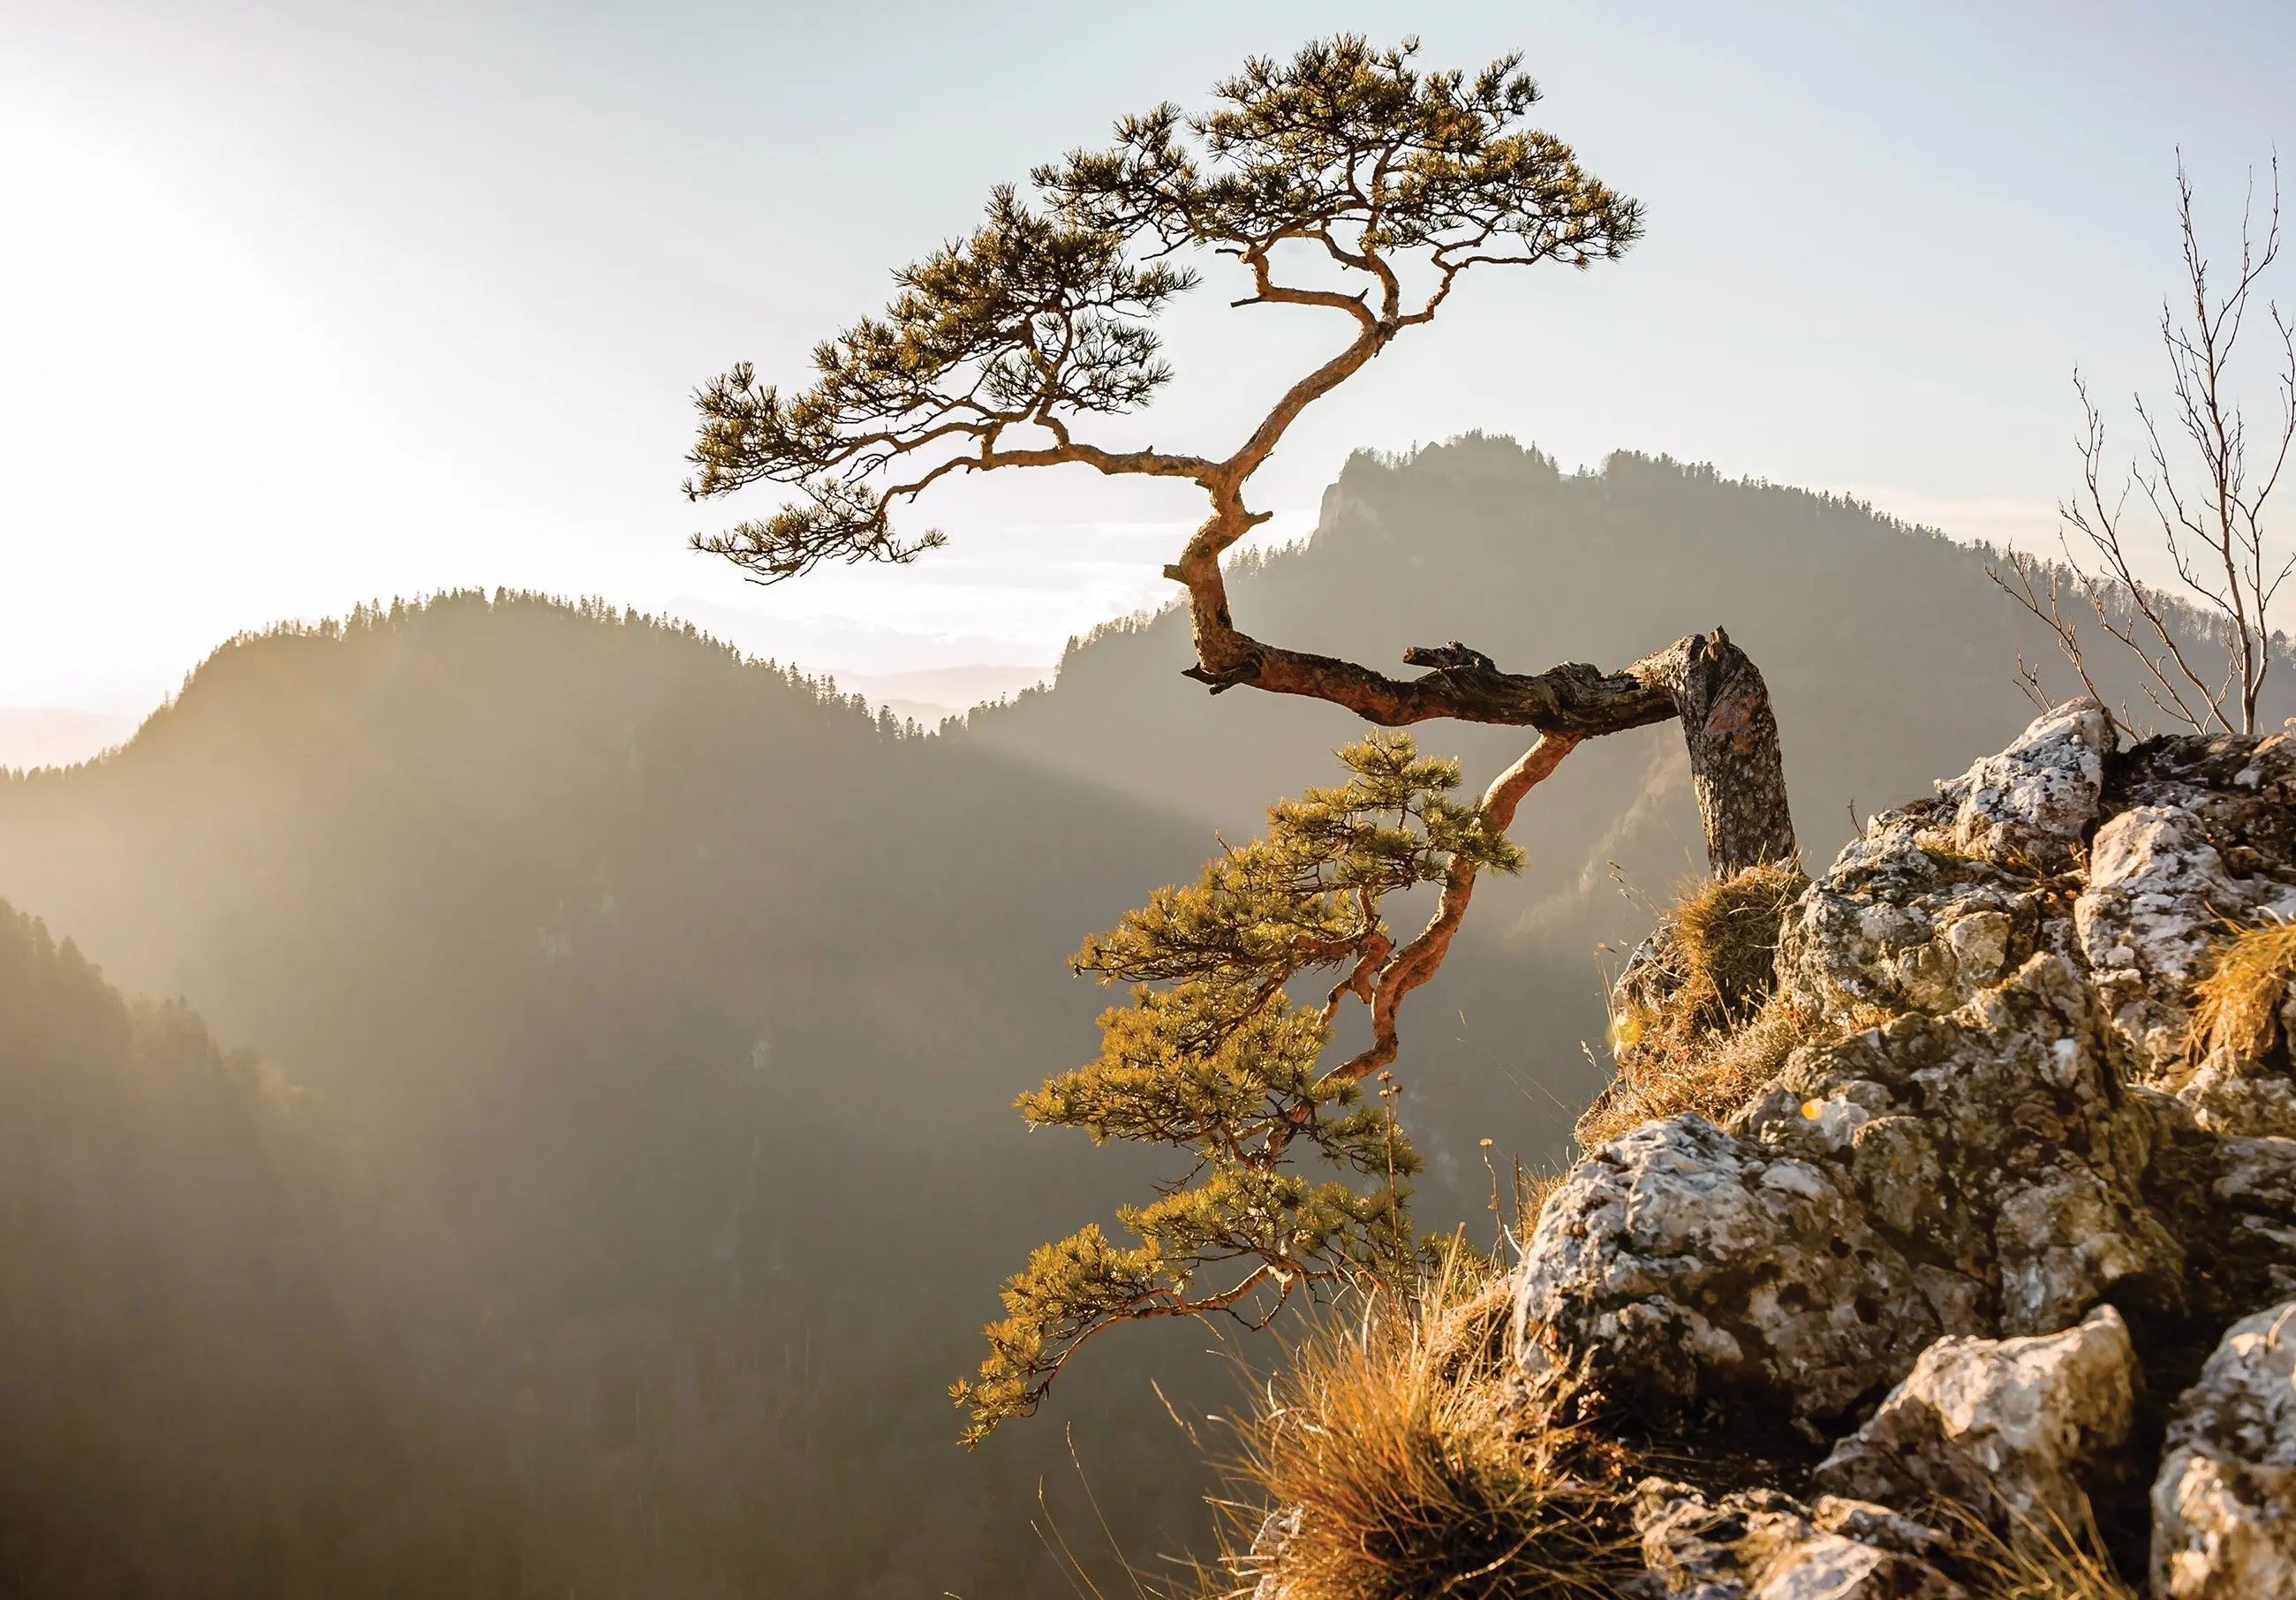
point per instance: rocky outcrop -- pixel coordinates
(2017, 1430)
(2204, 836)
(1766, 1545)
(1693, 1267)
(2032, 804)
(1973, 1173)
(1941, 899)
(1981, 1208)
(2223, 1505)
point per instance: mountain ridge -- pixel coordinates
(683, 1000)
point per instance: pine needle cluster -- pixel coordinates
(1345, 163)
(1214, 1055)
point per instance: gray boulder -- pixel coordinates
(2224, 1505)
(1679, 1265)
(2032, 805)
(1761, 1545)
(2017, 1430)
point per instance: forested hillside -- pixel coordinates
(678, 1007)
(208, 1389)
(634, 1162)
(1889, 653)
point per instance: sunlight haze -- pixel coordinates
(309, 304)
(533, 1067)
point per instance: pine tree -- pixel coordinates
(1213, 1056)
(1348, 181)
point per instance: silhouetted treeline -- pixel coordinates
(634, 1164)
(674, 1008)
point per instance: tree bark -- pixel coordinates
(1707, 681)
(1736, 770)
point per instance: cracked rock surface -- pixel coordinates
(2018, 1428)
(2223, 1505)
(1692, 1264)
(1991, 1201)
(1762, 1545)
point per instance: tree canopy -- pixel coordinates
(1220, 1063)
(1345, 179)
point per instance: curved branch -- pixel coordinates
(1416, 963)
(1736, 768)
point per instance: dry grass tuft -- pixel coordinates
(1532, 1191)
(2239, 1002)
(2034, 1563)
(1417, 1470)
(1704, 1029)
(1725, 945)
(1710, 1073)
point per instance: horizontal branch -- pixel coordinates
(1572, 700)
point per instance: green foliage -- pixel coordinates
(1347, 136)
(1030, 318)
(997, 344)
(1221, 1062)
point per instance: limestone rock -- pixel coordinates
(2232, 1199)
(1991, 1144)
(1278, 1528)
(2223, 1505)
(2242, 791)
(1979, 1172)
(2032, 803)
(2158, 896)
(2236, 1098)
(1761, 1545)
(2201, 831)
(1685, 1266)
(1994, 1144)
(1901, 923)
(1942, 898)
(2015, 1429)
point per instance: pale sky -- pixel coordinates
(303, 304)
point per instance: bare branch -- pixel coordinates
(2209, 518)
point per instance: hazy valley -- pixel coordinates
(637, 1028)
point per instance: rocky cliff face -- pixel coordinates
(2012, 1234)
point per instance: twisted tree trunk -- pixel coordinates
(1705, 680)
(1735, 768)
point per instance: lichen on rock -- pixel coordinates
(2017, 1430)
(2033, 803)
(1680, 1264)
(1762, 1545)
(2002, 1185)
(2224, 1505)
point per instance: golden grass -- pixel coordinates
(1418, 1472)
(1723, 1032)
(1725, 944)
(1712, 1074)
(1532, 1191)
(2238, 1003)
(2050, 1561)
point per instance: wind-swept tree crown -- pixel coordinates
(1344, 179)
